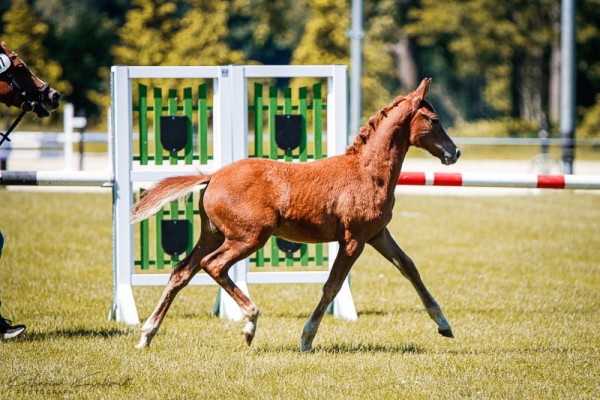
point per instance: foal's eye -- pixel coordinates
(435, 120)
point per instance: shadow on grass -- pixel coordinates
(404, 348)
(376, 313)
(348, 348)
(71, 333)
(368, 312)
(512, 351)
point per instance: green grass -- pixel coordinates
(517, 277)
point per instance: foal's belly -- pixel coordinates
(304, 231)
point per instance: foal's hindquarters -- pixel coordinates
(214, 254)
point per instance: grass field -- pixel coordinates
(517, 277)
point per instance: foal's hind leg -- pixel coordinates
(183, 272)
(347, 255)
(385, 244)
(218, 263)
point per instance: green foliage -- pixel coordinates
(324, 40)
(380, 81)
(88, 61)
(200, 39)
(147, 35)
(160, 32)
(500, 127)
(488, 59)
(590, 121)
(267, 31)
(491, 41)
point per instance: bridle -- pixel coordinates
(31, 97)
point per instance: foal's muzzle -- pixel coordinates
(449, 159)
(48, 101)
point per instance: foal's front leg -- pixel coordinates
(347, 255)
(386, 246)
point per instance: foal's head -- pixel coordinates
(426, 130)
(19, 87)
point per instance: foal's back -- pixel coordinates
(307, 202)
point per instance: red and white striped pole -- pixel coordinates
(500, 180)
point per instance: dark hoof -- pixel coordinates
(248, 337)
(446, 332)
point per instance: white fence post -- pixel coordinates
(337, 120)
(123, 307)
(232, 99)
(68, 114)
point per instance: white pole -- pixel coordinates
(68, 112)
(123, 309)
(567, 84)
(356, 37)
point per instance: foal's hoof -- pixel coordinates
(446, 332)
(142, 345)
(306, 347)
(248, 337)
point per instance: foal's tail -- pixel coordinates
(164, 192)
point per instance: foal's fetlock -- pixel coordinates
(305, 347)
(249, 331)
(435, 312)
(247, 337)
(144, 341)
(250, 328)
(147, 336)
(306, 339)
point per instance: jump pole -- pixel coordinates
(533, 181)
(588, 182)
(56, 178)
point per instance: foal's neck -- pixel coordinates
(383, 154)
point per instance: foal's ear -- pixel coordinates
(421, 92)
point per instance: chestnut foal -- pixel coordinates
(347, 198)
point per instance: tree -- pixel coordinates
(386, 73)
(324, 40)
(267, 31)
(81, 37)
(499, 51)
(147, 35)
(187, 32)
(200, 39)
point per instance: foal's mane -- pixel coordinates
(369, 128)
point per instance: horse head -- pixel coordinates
(426, 130)
(19, 87)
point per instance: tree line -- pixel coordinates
(489, 60)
